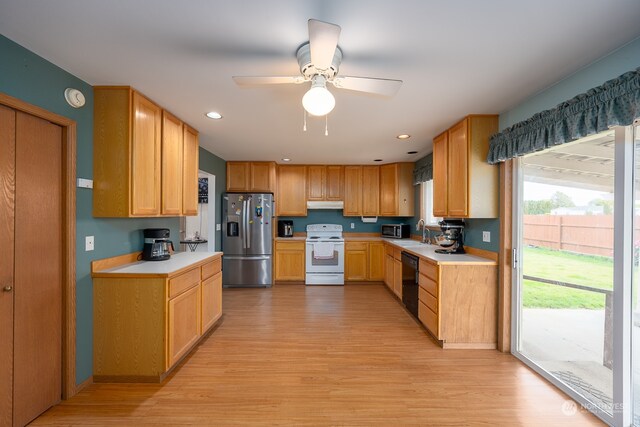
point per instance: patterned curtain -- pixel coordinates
(615, 103)
(423, 170)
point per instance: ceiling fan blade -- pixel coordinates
(323, 40)
(385, 87)
(267, 80)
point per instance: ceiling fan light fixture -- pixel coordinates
(318, 101)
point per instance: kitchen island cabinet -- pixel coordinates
(149, 315)
(457, 294)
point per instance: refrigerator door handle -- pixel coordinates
(252, 258)
(249, 215)
(243, 226)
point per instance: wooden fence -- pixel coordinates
(585, 234)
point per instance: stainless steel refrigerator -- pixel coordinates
(247, 239)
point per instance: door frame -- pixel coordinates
(69, 236)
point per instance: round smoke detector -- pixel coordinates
(74, 97)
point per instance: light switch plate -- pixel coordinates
(88, 243)
(85, 183)
(218, 227)
(486, 236)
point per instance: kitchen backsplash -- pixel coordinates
(331, 216)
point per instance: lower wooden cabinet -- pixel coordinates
(457, 303)
(397, 275)
(184, 323)
(388, 271)
(144, 324)
(363, 261)
(289, 261)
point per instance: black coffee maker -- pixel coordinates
(157, 246)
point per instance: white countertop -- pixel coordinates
(178, 261)
(429, 251)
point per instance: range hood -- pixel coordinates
(317, 204)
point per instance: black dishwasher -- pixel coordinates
(410, 282)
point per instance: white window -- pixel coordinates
(426, 203)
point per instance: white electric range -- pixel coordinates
(324, 255)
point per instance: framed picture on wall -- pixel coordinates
(203, 190)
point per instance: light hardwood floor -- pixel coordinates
(296, 355)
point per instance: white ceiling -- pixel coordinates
(455, 58)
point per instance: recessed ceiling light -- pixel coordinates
(403, 136)
(286, 159)
(412, 152)
(377, 160)
(214, 115)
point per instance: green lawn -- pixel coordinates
(586, 270)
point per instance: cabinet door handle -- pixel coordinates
(7, 288)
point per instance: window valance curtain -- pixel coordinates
(423, 170)
(615, 103)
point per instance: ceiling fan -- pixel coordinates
(319, 61)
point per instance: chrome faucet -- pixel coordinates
(425, 230)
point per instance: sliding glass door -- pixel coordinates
(566, 233)
(576, 318)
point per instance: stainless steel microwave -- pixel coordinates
(396, 231)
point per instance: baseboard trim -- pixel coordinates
(84, 384)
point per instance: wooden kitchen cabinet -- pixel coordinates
(190, 170)
(352, 191)
(172, 151)
(334, 187)
(388, 271)
(255, 177)
(465, 185)
(356, 261)
(397, 275)
(144, 324)
(292, 190)
(440, 180)
(289, 261)
(325, 182)
(370, 190)
(458, 303)
(396, 189)
(376, 261)
(138, 170)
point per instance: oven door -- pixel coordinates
(334, 264)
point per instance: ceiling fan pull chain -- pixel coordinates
(326, 125)
(304, 120)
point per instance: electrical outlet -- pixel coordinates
(486, 236)
(88, 243)
(85, 183)
(353, 225)
(218, 228)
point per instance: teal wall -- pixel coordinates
(626, 58)
(30, 78)
(215, 166)
(334, 216)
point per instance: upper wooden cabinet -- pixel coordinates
(291, 197)
(352, 191)
(370, 190)
(396, 189)
(465, 185)
(251, 176)
(172, 149)
(137, 156)
(440, 152)
(325, 182)
(190, 169)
